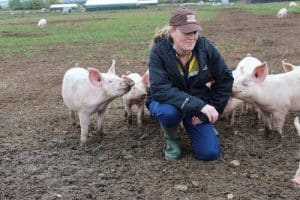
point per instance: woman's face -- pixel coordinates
(183, 41)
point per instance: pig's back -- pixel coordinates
(76, 73)
(287, 87)
(73, 81)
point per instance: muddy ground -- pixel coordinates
(40, 157)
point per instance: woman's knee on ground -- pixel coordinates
(208, 154)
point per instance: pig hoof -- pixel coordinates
(83, 145)
(268, 133)
(130, 120)
(100, 133)
(73, 123)
(273, 135)
(140, 125)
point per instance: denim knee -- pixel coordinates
(208, 155)
(170, 117)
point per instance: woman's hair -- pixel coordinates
(161, 33)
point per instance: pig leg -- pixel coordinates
(267, 121)
(73, 118)
(128, 111)
(100, 121)
(232, 117)
(296, 179)
(278, 121)
(84, 119)
(258, 114)
(140, 115)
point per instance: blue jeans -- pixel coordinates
(203, 136)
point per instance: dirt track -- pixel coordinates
(40, 157)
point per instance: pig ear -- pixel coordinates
(261, 72)
(112, 69)
(124, 76)
(146, 78)
(94, 76)
(287, 67)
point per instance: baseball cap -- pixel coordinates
(185, 19)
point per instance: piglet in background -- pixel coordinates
(282, 13)
(42, 23)
(136, 96)
(296, 179)
(293, 3)
(90, 91)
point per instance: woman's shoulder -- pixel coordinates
(205, 44)
(203, 41)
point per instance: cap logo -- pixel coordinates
(191, 18)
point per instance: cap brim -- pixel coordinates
(189, 28)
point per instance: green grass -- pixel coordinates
(20, 35)
(266, 8)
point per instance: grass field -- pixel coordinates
(20, 35)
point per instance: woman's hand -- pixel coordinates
(211, 113)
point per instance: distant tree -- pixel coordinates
(32, 4)
(50, 2)
(15, 4)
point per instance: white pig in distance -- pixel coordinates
(282, 13)
(42, 23)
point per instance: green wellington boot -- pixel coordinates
(172, 141)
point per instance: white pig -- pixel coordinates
(282, 13)
(136, 96)
(248, 63)
(274, 95)
(42, 23)
(293, 3)
(90, 91)
(296, 179)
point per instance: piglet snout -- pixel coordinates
(143, 96)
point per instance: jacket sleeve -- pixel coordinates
(221, 89)
(164, 91)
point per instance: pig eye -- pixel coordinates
(245, 84)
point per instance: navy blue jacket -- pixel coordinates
(167, 85)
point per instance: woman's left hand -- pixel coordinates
(196, 120)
